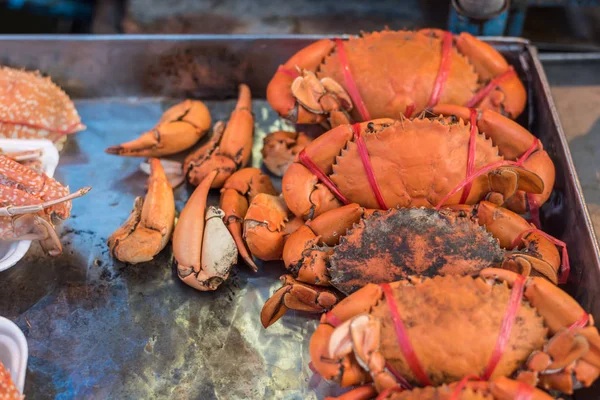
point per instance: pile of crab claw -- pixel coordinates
(411, 225)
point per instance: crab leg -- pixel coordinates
(536, 252)
(509, 96)
(296, 295)
(228, 153)
(513, 141)
(23, 222)
(180, 127)
(574, 351)
(149, 226)
(237, 192)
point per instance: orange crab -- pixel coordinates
(393, 73)
(428, 162)
(346, 248)
(496, 324)
(33, 107)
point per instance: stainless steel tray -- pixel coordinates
(99, 328)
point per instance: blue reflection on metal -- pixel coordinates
(65, 8)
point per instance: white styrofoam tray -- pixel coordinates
(13, 351)
(12, 252)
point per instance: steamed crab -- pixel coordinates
(30, 200)
(427, 162)
(433, 331)
(346, 248)
(393, 73)
(33, 107)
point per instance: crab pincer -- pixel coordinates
(203, 248)
(179, 128)
(149, 226)
(229, 148)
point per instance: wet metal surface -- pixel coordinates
(99, 328)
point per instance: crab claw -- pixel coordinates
(149, 226)
(203, 249)
(506, 92)
(320, 96)
(229, 149)
(180, 127)
(280, 149)
(297, 296)
(279, 93)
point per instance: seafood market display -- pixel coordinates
(411, 224)
(392, 73)
(33, 107)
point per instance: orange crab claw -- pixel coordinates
(229, 149)
(148, 229)
(267, 226)
(237, 192)
(513, 141)
(279, 93)
(508, 228)
(509, 95)
(280, 149)
(180, 127)
(203, 248)
(297, 296)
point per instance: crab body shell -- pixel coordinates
(33, 107)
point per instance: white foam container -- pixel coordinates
(12, 252)
(13, 351)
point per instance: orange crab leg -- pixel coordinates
(237, 192)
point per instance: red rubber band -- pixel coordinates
(364, 156)
(461, 385)
(524, 392)
(534, 209)
(399, 378)
(443, 72)
(507, 323)
(323, 178)
(409, 110)
(349, 81)
(581, 322)
(565, 267)
(312, 368)
(332, 320)
(484, 170)
(292, 73)
(470, 156)
(34, 126)
(487, 89)
(403, 341)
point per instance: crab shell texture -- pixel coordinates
(453, 325)
(396, 71)
(390, 245)
(33, 107)
(8, 390)
(416, 163)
